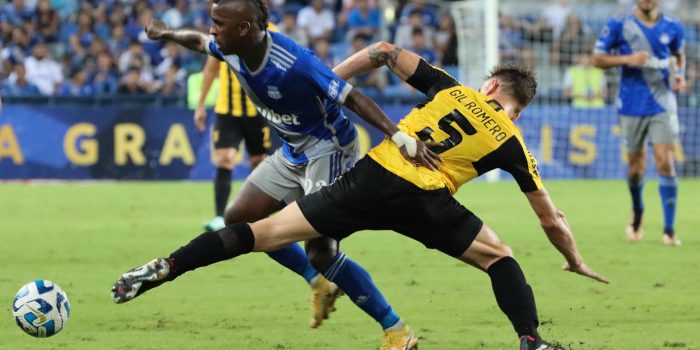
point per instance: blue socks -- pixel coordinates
(358, 285)
(668, 189)
(294, 258)
(637, 204)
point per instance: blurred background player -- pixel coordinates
(301, 98)
(649, 45)
(237, 119)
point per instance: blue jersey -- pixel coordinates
(644, 91)
(298, 94)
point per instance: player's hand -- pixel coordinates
(155, 29)
(680, 84)
(638, 59)
(200, 118)
(424, 155)
(583, 270)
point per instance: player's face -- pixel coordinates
(229, 27)
(647, 5)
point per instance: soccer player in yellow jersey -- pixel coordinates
(237, 120)
(472, 132)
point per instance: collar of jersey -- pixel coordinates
(265, 59)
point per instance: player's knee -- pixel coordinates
(499, 252)
(321, 257)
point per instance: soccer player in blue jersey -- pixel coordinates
(301, 99)
(649, 47)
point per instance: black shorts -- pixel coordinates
(229, 131)
(369, 197)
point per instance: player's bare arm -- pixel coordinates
(559, 233)
(402, 62)
(636, 59)
(211, 68)
(411, 148)
(189, 38)
(679, 75)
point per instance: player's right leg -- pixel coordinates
(634, 131)
(226, 137)
(266, 189)
(513, 295)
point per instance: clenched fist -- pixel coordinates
(155, 29)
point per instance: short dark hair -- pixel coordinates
(517, 81)
(262, 14)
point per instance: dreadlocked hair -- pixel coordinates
(261, 10)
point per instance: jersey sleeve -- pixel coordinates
(522, 165)
(678, 42)
(609, 38)
(212, 49)
(324, 82)
(429, 79)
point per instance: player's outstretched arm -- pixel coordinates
(402, 62)
(557, 229)
(211, 68)
(411, 148)
(637, 59)
(189, 38)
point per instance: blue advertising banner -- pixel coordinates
(143, 143)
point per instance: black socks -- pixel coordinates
(514, 296)
(222, 189)
(210, 247)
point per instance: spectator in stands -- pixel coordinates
(511, 43)
(289, 28)
(81, 34)
(105, 79)
(77, 85)
(18, 47)
(555, 16)
(175, 17)
(322, 49)
(446, 41)
(131, 83)
(127, 58)
(316, 20)
(16, 12)
(17, 85)
(47, 21)
(118, 42)
(574, 39)
(151, 47)
(174, 81)
(363, 20)
(428, 13)
(100, 24)
(43, 71)
(171, 56)
(418, 46)
(405, 31)
(585, 84)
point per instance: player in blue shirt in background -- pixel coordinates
(301, 98)
(649, 47)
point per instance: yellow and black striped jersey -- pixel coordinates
(232, 100)
(476, 135)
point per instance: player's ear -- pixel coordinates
(491, 86)
(244, 28)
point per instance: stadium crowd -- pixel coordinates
(89, 48)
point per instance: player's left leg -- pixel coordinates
(271, 234)
(513, 295)
(663, 133)
(337, 267)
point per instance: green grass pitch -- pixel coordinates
(84, 235)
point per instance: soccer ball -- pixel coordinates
(41, 308)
